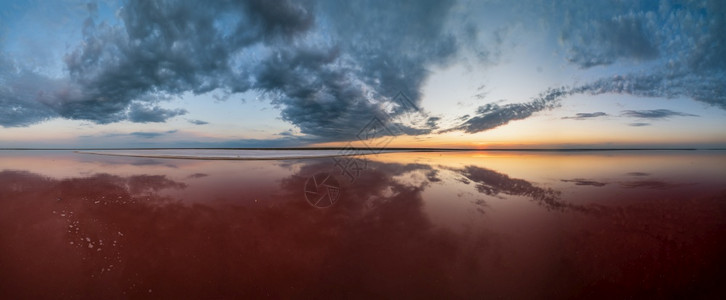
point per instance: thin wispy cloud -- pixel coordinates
(140, 113)
(198, 122)
(637, 174)
(491, 116)
(150, 135)
(655, 114)
(585, 116)
(587, 182)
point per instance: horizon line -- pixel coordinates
(378, 150)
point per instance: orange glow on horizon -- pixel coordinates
(477, 142)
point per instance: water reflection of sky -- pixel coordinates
(453, 224)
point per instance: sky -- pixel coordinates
(419, 73)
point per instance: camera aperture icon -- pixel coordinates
(322, 190)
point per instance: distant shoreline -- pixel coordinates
(386, 149)
(214, 157)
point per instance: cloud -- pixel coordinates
(19, 94)
(580, 181)
(683, 43)
(152, 54)
(649, 184)
(492, 183)
(198, 122)
(282, 142)
(638, 174)
(585, 116)
(329, 65)
(333, 92)
(157, 49)
(432, 122)
(326, 72)
(150, 135)
(197, 175)
(639, 124)
(691, 50)
(655, 114)
(140, 113)
(492, 115)
(604, 41)
(706, 87)
(286, 133)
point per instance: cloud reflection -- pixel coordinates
(108, 228)
(492, 183)
(649, 184)
(132, 236)
(580, 181)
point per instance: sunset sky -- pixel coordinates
(472, 74)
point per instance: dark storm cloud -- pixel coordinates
(655, 114)
(17, 113)
(161, 48)
(585, 116)
(170, 48)
(492, 115)
(396, 44)
(326, 65)
(325, 91)
(602, 42)
(314, 93)
(19, 92)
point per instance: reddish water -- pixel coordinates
(413, 225)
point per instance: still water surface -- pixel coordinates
(422, 225)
